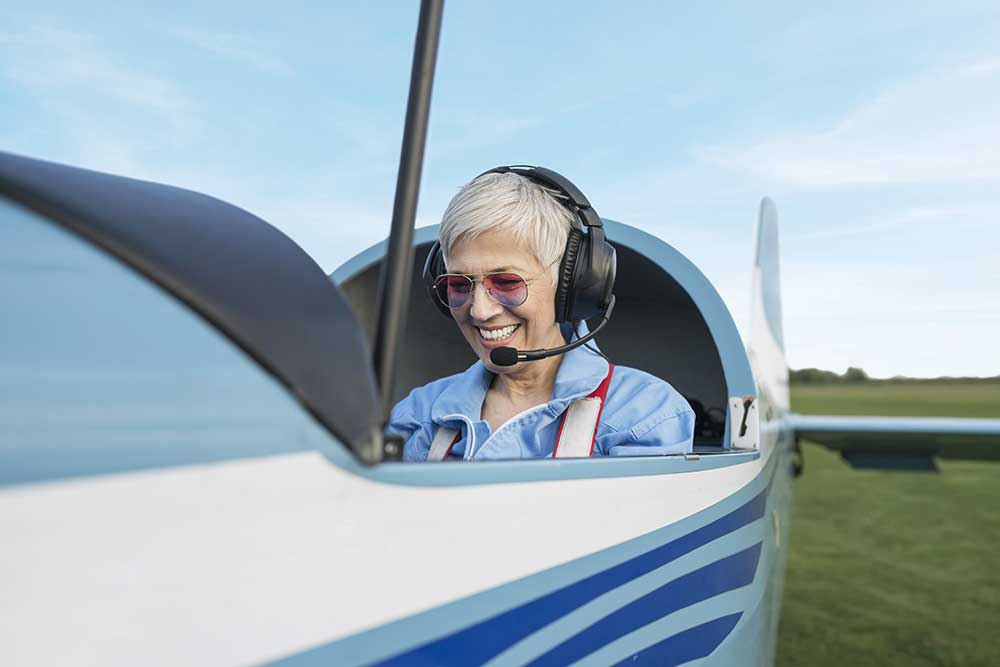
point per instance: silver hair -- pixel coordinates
(531, 213)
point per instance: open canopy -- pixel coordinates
(243, 276)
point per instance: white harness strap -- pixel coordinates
(442, 443)
(576, 435)
(577, 432)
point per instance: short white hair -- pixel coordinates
(530, 213)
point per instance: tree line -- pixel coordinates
(855, 375)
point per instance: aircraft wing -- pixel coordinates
(901, 442)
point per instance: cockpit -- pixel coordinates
(262, 354)
(668, 321)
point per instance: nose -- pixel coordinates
(483, 306)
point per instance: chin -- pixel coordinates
(498, 370)
(484, 356)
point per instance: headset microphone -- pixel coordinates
(508, 356)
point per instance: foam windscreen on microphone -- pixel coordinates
(503, 356)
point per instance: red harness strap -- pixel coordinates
(579, 425)
(586, 416)
(458, 436)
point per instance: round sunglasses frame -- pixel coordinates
(472, 284)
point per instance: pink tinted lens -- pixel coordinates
(453, 291)
(509, 289)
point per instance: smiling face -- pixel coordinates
(485, 323)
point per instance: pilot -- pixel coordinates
(509, 241)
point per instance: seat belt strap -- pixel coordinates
(578, 430)
(444, 440)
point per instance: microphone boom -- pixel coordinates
(509, 356)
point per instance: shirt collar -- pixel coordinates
(579, 374)
(581, 371)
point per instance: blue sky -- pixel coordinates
(875, 129)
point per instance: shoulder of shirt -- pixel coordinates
(417, 404)
(627, 377)
(630, 386)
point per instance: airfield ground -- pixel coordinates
(893, 568)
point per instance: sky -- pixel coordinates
(875, 129)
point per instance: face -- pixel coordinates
(482, 320)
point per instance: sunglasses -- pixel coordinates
(508, 289)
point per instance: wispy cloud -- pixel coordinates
(943, 127)
(102, 107)
(49, 59)
(332, 229)
(461, 130)
(984, 67)
(240, 48)
(924, 320)
(942, 217)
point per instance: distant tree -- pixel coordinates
(855, 374)
(858, 375)
(812, 376)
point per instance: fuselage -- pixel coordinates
(164, 499)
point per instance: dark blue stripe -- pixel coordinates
(723, 575)
(478, 643)
(685, 646)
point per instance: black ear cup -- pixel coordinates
(567, 275)
(594, 278)
(434, 267)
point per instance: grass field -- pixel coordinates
(893, 568)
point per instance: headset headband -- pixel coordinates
(556, 181)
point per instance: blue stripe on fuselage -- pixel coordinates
(723, 575)
(686, 646)
(478, 643)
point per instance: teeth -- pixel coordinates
(499, 334)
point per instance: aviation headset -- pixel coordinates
(588, 267)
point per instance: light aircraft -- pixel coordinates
(192, 469)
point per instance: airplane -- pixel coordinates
(193, 471)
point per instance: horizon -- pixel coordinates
(869, 377)
(883, 156)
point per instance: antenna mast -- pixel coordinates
(394, 282)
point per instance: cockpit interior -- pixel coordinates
(656, 326)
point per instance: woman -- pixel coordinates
(503, 239)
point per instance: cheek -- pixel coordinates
(462, 320)
(543, 308)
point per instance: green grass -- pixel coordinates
(909, 399)
(893, 568)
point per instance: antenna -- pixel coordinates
(394, 281)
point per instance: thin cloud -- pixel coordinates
(943, 217)
(102, 110)
(331, 229)
(46, 59)
(986, 67)
(458, 131)
(922, 320)
(240, 48)
(940, 128)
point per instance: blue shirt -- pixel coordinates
(642, 416)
